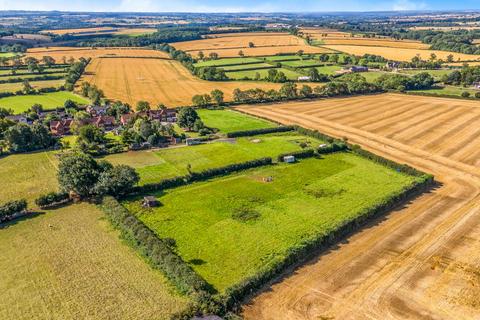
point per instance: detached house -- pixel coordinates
(105, 122)
(61, 128)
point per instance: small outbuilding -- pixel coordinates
(289, 159)
(150, 202)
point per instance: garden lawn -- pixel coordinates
(232, 227)
(51, 100)
(229, 121)
(226, 61)
(154, 166)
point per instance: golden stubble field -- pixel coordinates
(156, 81)
(59, 53)
(423, 260)
(266, 43)
(400, 54)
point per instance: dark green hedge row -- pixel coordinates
(202, 175)
(404, 168)
(309, 248)
(249, 133)
(38, 78)
(51, 199)
(333, 147)
(10, 208)
(157, 252)
(302, 154)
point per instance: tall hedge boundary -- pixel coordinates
(201, 176)
(155, 250)
(249, 133)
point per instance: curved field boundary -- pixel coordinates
(428, 250)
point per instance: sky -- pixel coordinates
(237, 6)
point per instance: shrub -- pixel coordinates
(10, 208)
(465, 94)
(51, 198)
(256, 132)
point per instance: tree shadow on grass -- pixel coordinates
(197, 262)
(30, 215)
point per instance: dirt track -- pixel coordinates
(420, 262)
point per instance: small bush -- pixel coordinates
(10, 208)
(51, 198)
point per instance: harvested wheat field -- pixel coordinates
(422, 261)
(155, 80)
(401, 54)
(228, 45)
(58, 53)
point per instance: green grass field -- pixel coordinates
(449, 91)
(209, 220)
(13, 87)
(243, 66)
(27, 175)
(330, 70)
(8, 54)
(51, 100)
(301, 63)
(437, 74)
(70, 264)
(229, 121)
(283, 58)
(291, 75)
(31, 75)
(154, 166)
(226, 61)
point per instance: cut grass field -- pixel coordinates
(14, 87)
(229, 121)
(304, 200)
(69, 264)
(400, 54)
(50, 101)
(437, 73)
(157, 81)
(154, 166)
(251, 74)
(30, 76)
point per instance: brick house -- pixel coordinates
(61, 128)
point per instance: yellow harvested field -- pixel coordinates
(376, 42)
(70, 264)
(421, 261)
(100, 30)
(401, 54)
(155, 80)
(59, 52)
(229, 44)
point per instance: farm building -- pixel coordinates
(289, 159)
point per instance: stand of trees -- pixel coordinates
(21, 137)
(141, 129)
(467, 76)
(399, 82)
(82, 175)
(74, 73)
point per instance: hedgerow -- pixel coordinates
(8, 209)
(248, 133)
